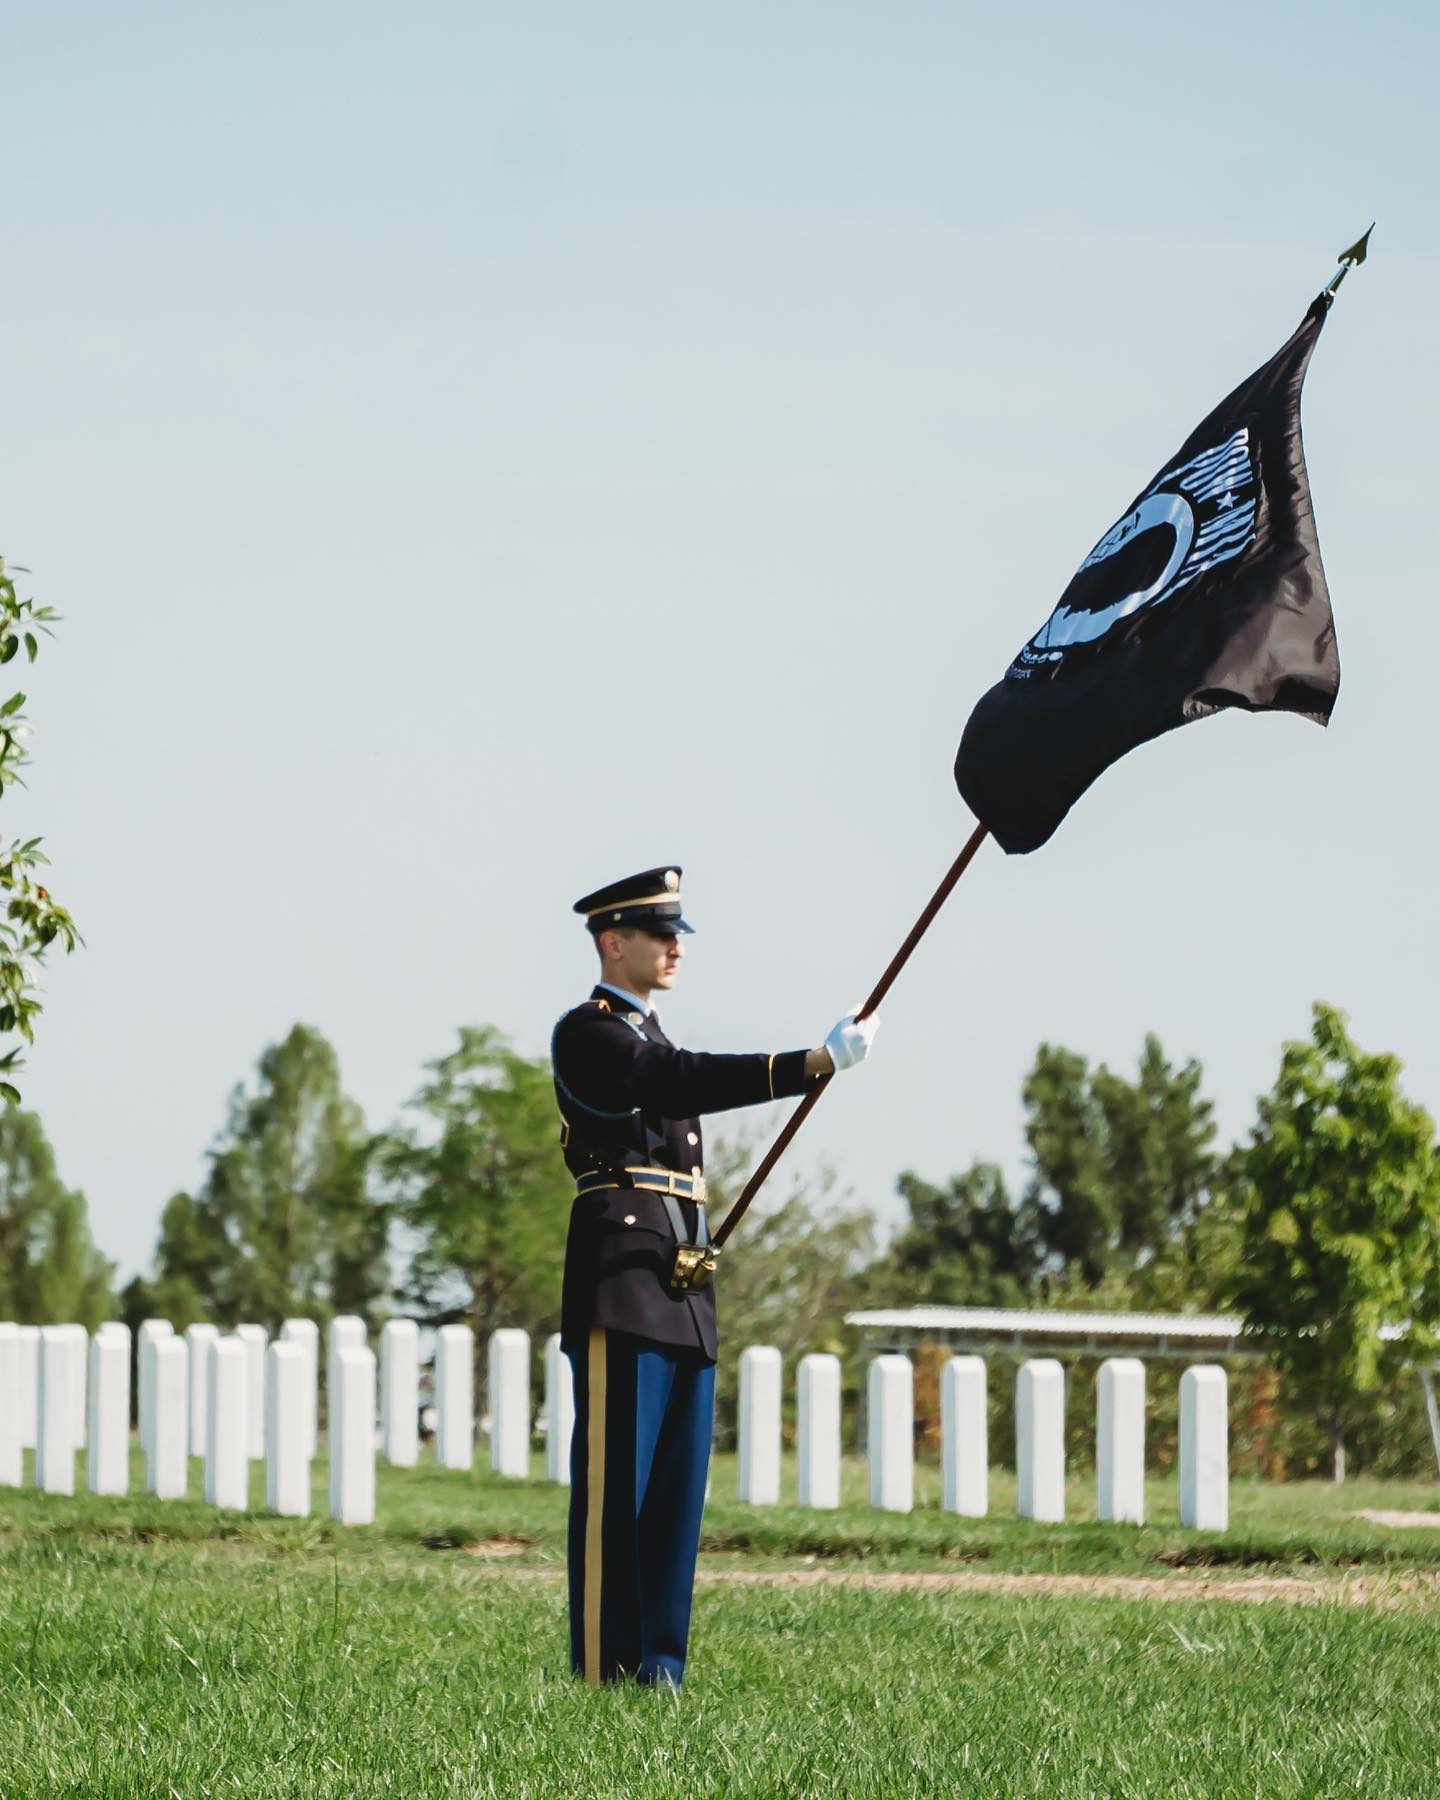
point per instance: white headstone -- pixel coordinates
(55, 1412)
(1040, 1439)
(345, 1331)
(227, 1466)
(454, 1396)
(306, 1333)
(509, 1371)
(80, 1352)
(400, 1393)
(964, 1438)
(352, 1437)
(890, 1400)
(559, 1410)
(198, 1339)
(254, 1338)
(12, 1455)
(107, 1468)
(759, 1425)
(1120, 1441)
(166, 1462)
(29, 1341)
(1204, 1449)
(287, 1463)
(817, 1429)
(150, 1330)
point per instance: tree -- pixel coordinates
(480, 1185)
(191, 1259)
(1158, 1133)
(32, 919)
(285, 1223)
(50, 1270)
(962, 1245)
(1118, 1168)
(1337, 1204)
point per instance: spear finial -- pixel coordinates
(1349, 259)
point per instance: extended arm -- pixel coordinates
(609, 1067)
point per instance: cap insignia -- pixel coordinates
(672, 880)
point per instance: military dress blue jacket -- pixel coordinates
(630, 1099)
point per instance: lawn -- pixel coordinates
(157, 1648)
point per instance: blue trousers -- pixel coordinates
(638, 1460)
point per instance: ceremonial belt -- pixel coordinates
(669, 1185)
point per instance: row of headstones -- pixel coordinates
(237, 1399)
(964, 1448)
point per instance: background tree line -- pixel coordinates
(1323, 1225)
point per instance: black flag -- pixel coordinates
(1207, 593)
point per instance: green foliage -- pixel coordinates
(1119, 1168)
(1120, 1173)
(962, 1245)
(32, 919)
(480, 1186)
(1336, 1203)
(285, 1223)
(50, 1271)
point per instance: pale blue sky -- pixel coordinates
(482, 450)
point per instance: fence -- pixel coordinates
(238, 1399)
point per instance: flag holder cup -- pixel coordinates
(694, 1266)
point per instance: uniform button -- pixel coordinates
(629, 1218)
(692, 1137)
(695, 1170)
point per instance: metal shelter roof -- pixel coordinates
(1000, 1328)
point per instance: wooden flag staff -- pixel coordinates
(686, 1277)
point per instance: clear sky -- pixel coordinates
(481, 450)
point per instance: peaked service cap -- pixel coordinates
(649, 901)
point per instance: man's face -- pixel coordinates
(646, 962)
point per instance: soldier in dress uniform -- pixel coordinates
(642, 1348)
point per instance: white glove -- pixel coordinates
(850, 1040)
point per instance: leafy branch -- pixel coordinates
(32, 920)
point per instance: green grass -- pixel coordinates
(1294, 1528)
(153, 1648)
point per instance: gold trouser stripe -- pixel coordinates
(594, 1502)
(770, 1074)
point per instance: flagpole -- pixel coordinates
(1348, 260)
(881, 989)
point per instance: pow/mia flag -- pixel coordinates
(1207, 593)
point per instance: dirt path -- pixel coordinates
(1414, 1588)
(1410, 1589)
